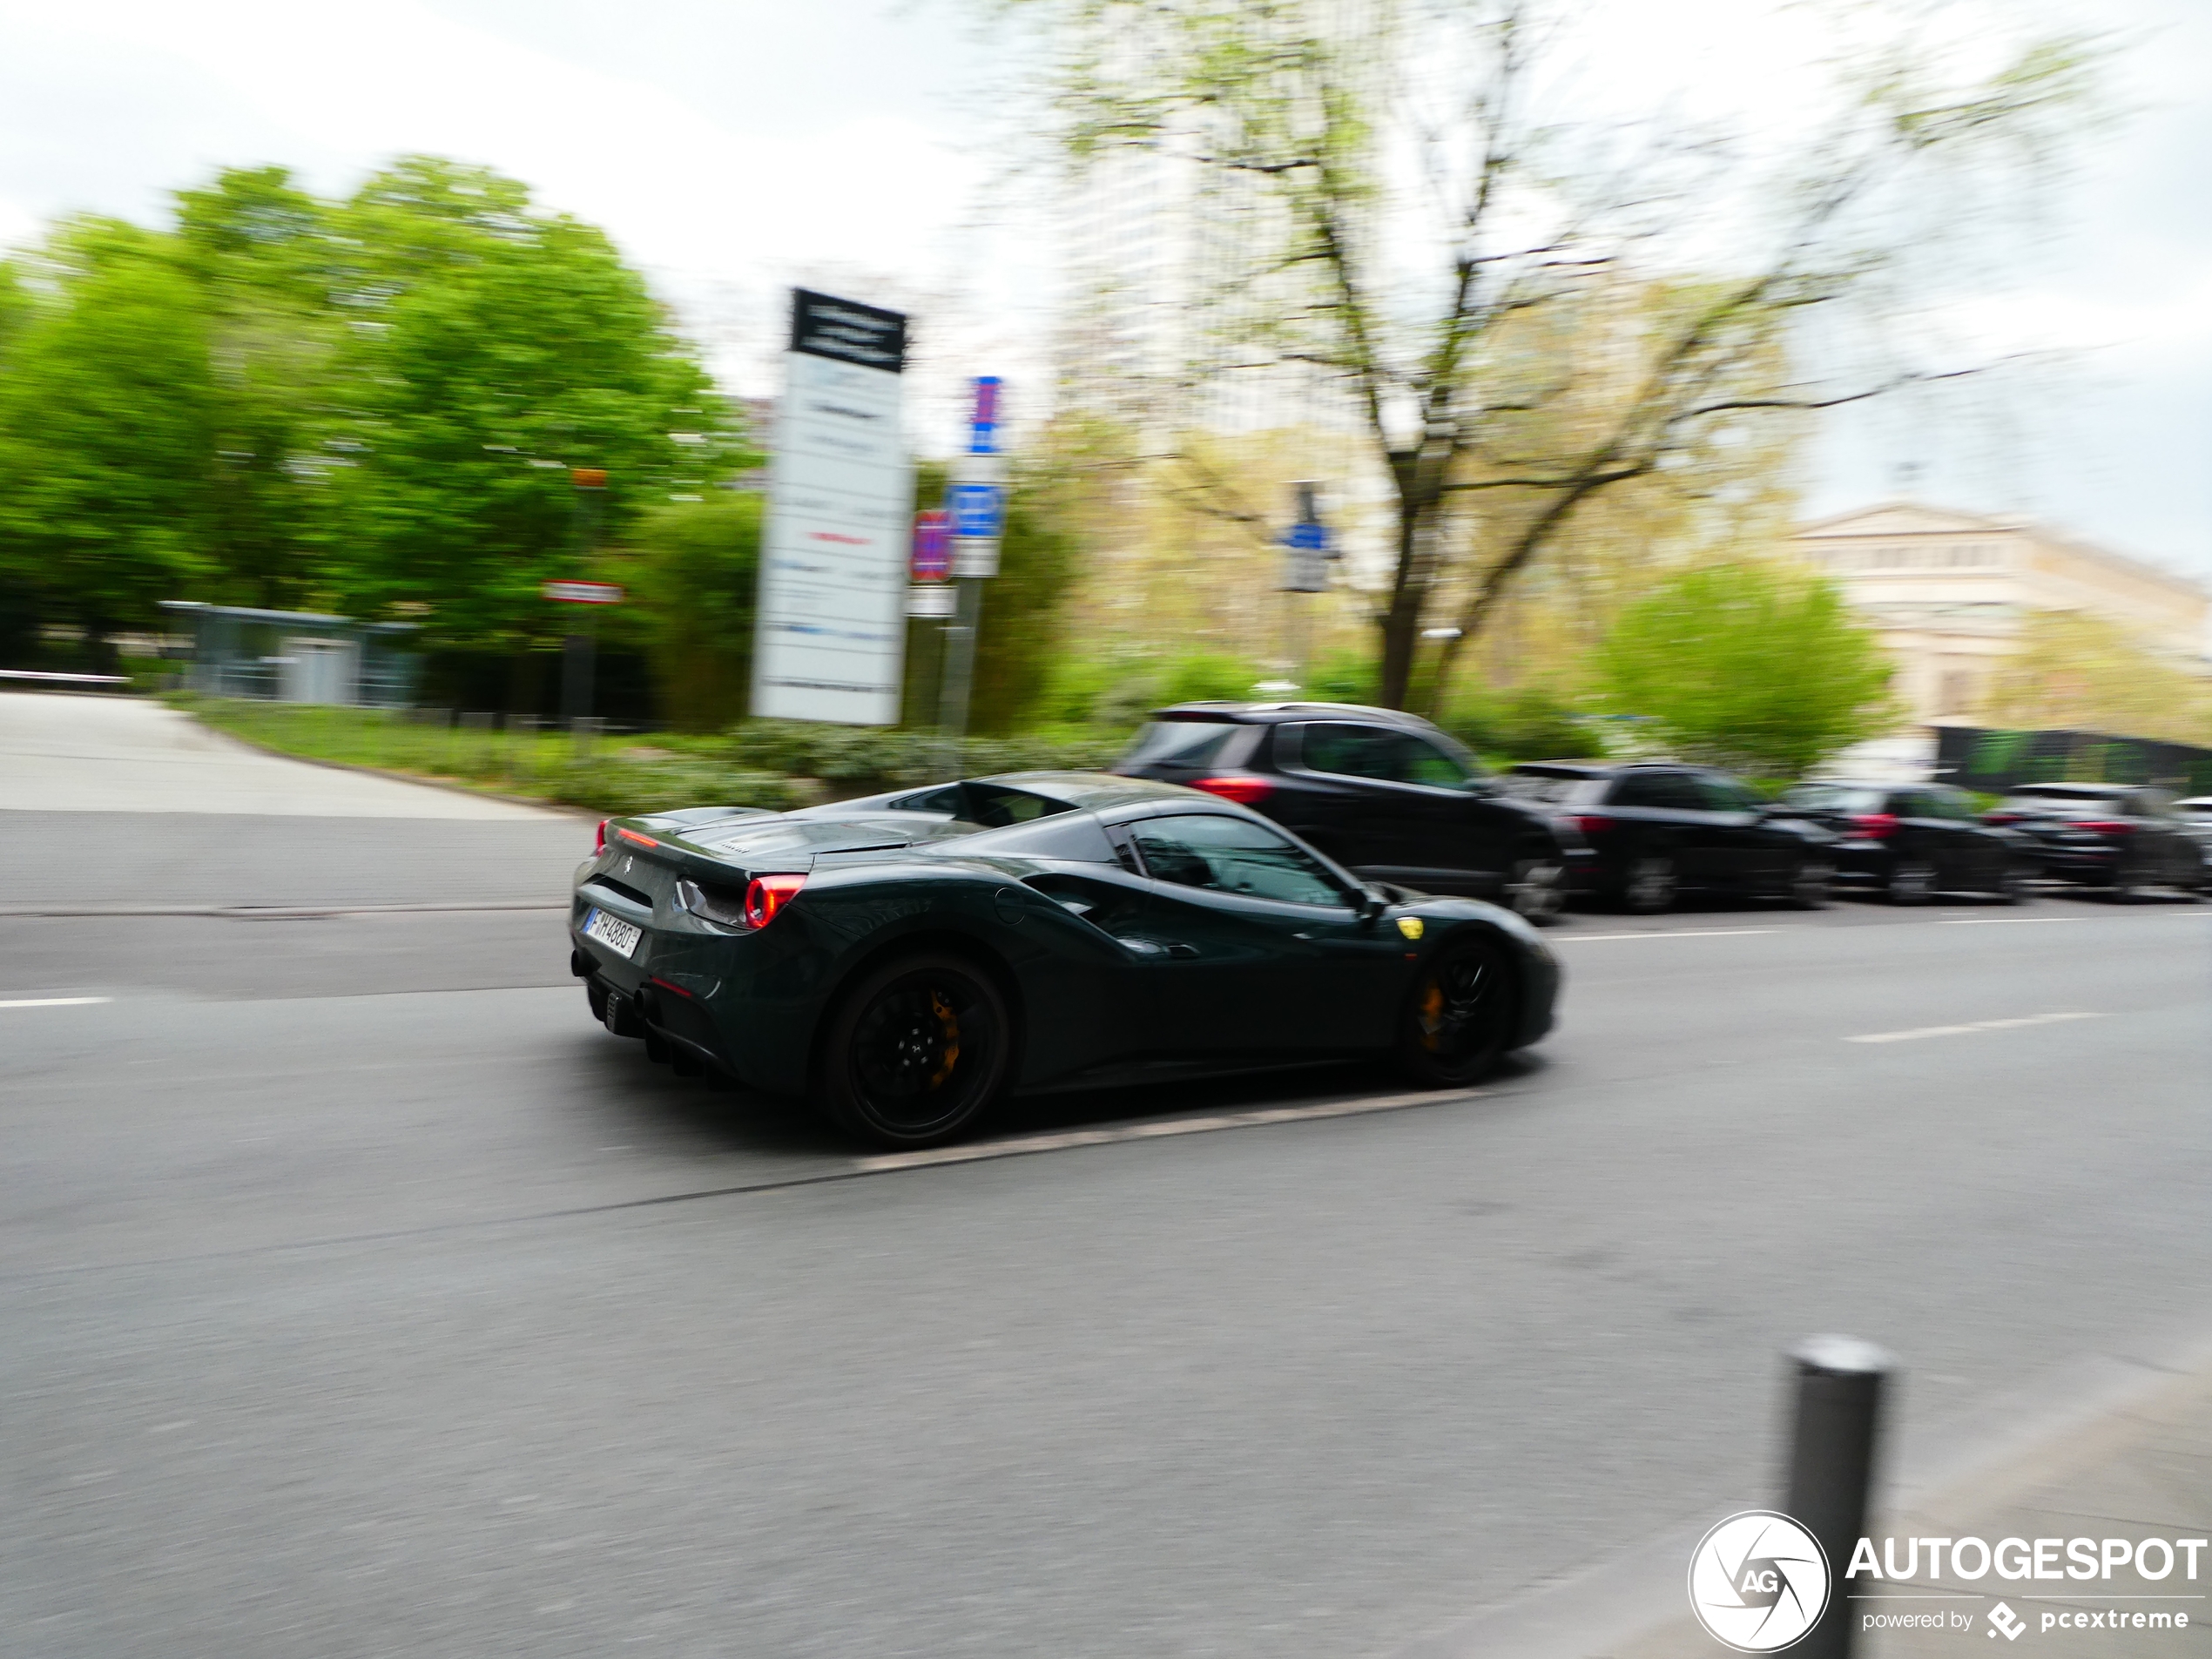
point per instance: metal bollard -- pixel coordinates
(1831, 1465)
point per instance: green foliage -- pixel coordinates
(1750, 665)
(776, 764)
(1531, 723)
(693, 569)
(107, 430)
(372, 405)
(1019, 634)
(1344, 675)
(505, 350)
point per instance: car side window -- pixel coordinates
(1642, 789)
(1347, 751)
(1726, 795)
(1233, 855)
(1950, 804)
(1419, 761)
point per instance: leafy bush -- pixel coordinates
(1533, 723)
(1749, 665)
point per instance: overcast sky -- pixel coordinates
(734, 146)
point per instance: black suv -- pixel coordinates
(1911, 841)
(1658, 828)
(2121, 836)
(1385, 795)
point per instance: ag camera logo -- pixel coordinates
(1758, 1582)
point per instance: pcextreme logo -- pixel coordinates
(1758, 1582)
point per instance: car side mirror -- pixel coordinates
(1371, 907)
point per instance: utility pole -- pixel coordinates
(976, 503)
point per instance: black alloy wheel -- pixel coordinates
(1809, 883)
(1533, 890)
(916, 1052)
(1650, 885)
(1911, 881)
(1459, 1017)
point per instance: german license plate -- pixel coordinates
(613, 932)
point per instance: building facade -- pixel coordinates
(1950, 591)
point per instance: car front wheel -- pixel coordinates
(1649, 887)
(1911, 881)
(1809, 883)
(1532, 889)
(916, 1052)
(1459, 1019)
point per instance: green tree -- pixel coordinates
(491, 353)
(1748, 665)
(261, 253)
(1020, 629)
(107, 433)
(694, 570)
(1405, 212)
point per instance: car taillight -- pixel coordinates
(2002, 818)
(2105, 825)
(599, 842)
(1876, 825)
(767, 894)
(1590, 823)
(1245, 792)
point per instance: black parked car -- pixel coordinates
(1911, 841)
(1659, 828)
(1385, 795)
(2119, 836)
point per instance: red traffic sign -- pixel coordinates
(932, 560)
(582, 593)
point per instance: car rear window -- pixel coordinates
(1179, 743)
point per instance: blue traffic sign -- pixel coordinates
(1307, 538)
(977, 509)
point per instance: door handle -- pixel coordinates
(1179, 949)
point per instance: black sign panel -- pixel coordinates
(847, 331)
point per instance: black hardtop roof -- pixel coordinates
(1090, 791)
(1276, 713)
(2063, 789)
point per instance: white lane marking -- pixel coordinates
(2005, 922)
(53, 1001)
(1972, 1025)
(1022, 1145)
(1674, 933)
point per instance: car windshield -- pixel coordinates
(1179, 743)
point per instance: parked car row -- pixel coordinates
(1395, 799)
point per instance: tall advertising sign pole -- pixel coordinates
(977, 504)
(832, 632)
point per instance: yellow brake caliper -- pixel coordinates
(1432, 1013)
(950, 1025)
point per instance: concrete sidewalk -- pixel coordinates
(2141, 1470)
(118, 754)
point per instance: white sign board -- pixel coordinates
(832, 628)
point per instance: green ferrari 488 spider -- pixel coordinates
(909, 959)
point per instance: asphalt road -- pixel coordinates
(362, 1296)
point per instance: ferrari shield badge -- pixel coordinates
(1410, 926)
